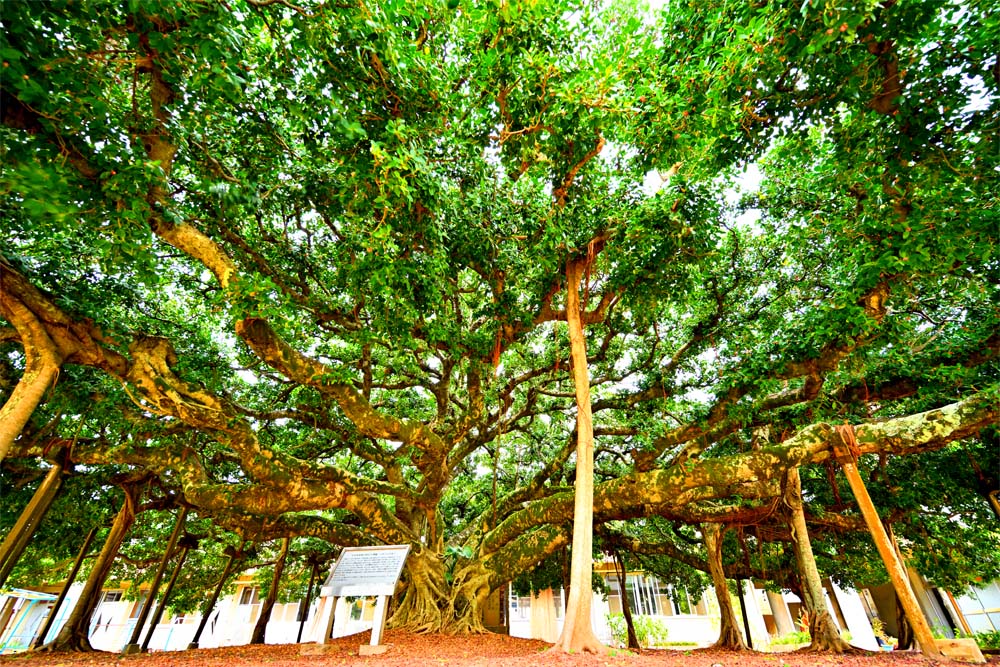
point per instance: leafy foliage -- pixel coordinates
(303, 266)
(649, 630)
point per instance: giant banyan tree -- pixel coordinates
(314, 269)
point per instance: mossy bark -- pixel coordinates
(729, 629)
(421, 609)
(470, 590)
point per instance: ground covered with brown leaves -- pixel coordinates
(408, 650)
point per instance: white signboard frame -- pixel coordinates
(362, 572)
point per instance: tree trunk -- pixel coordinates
(187, 543)
(42, 359)
(133, 645)
(74, 633)
(741, 593)
(40, 637)
(729, 629)
(620, 570)
(304, 607)
(420, 610)
(431, 604)
(206, 611)
(470, 590)
(904, 631)
(272, 595)
(17, 540)
(578, 631)
(822, 629)
(994, 499)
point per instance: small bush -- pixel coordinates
(649, 630)
(792, 638)
(988, 639)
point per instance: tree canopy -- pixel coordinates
(305, 265)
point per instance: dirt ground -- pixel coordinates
(408, 650)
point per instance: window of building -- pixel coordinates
(682, 603)
(302, 613)
(663, 599)
(614, 595)
(362, 608)
(648, 596)
(643, 599)
(112, 596)
(137, 607)
(249, 595)
(520, 606)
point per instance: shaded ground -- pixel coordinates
(407, 650)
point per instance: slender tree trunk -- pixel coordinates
(186, 543)
(74, 633)
(729, 629)
(822, 629)
(133, 645)
(741, 593)
(564, 568)
(304, 609)
(206, 611)
(272, 595)
(40, 637)
(994, 499)
(20, 535)
(622, 572)
(904, 631)
(578, 631)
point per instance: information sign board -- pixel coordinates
(366, 571)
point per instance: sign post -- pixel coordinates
(362, 572)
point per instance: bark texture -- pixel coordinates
(578, 631)
(729, 629)
(74, 633)
(19, 536)
(433, 603)
(272, 595)
(822, 629)
(426, 589)
(631, 638)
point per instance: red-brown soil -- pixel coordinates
(407, 650)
